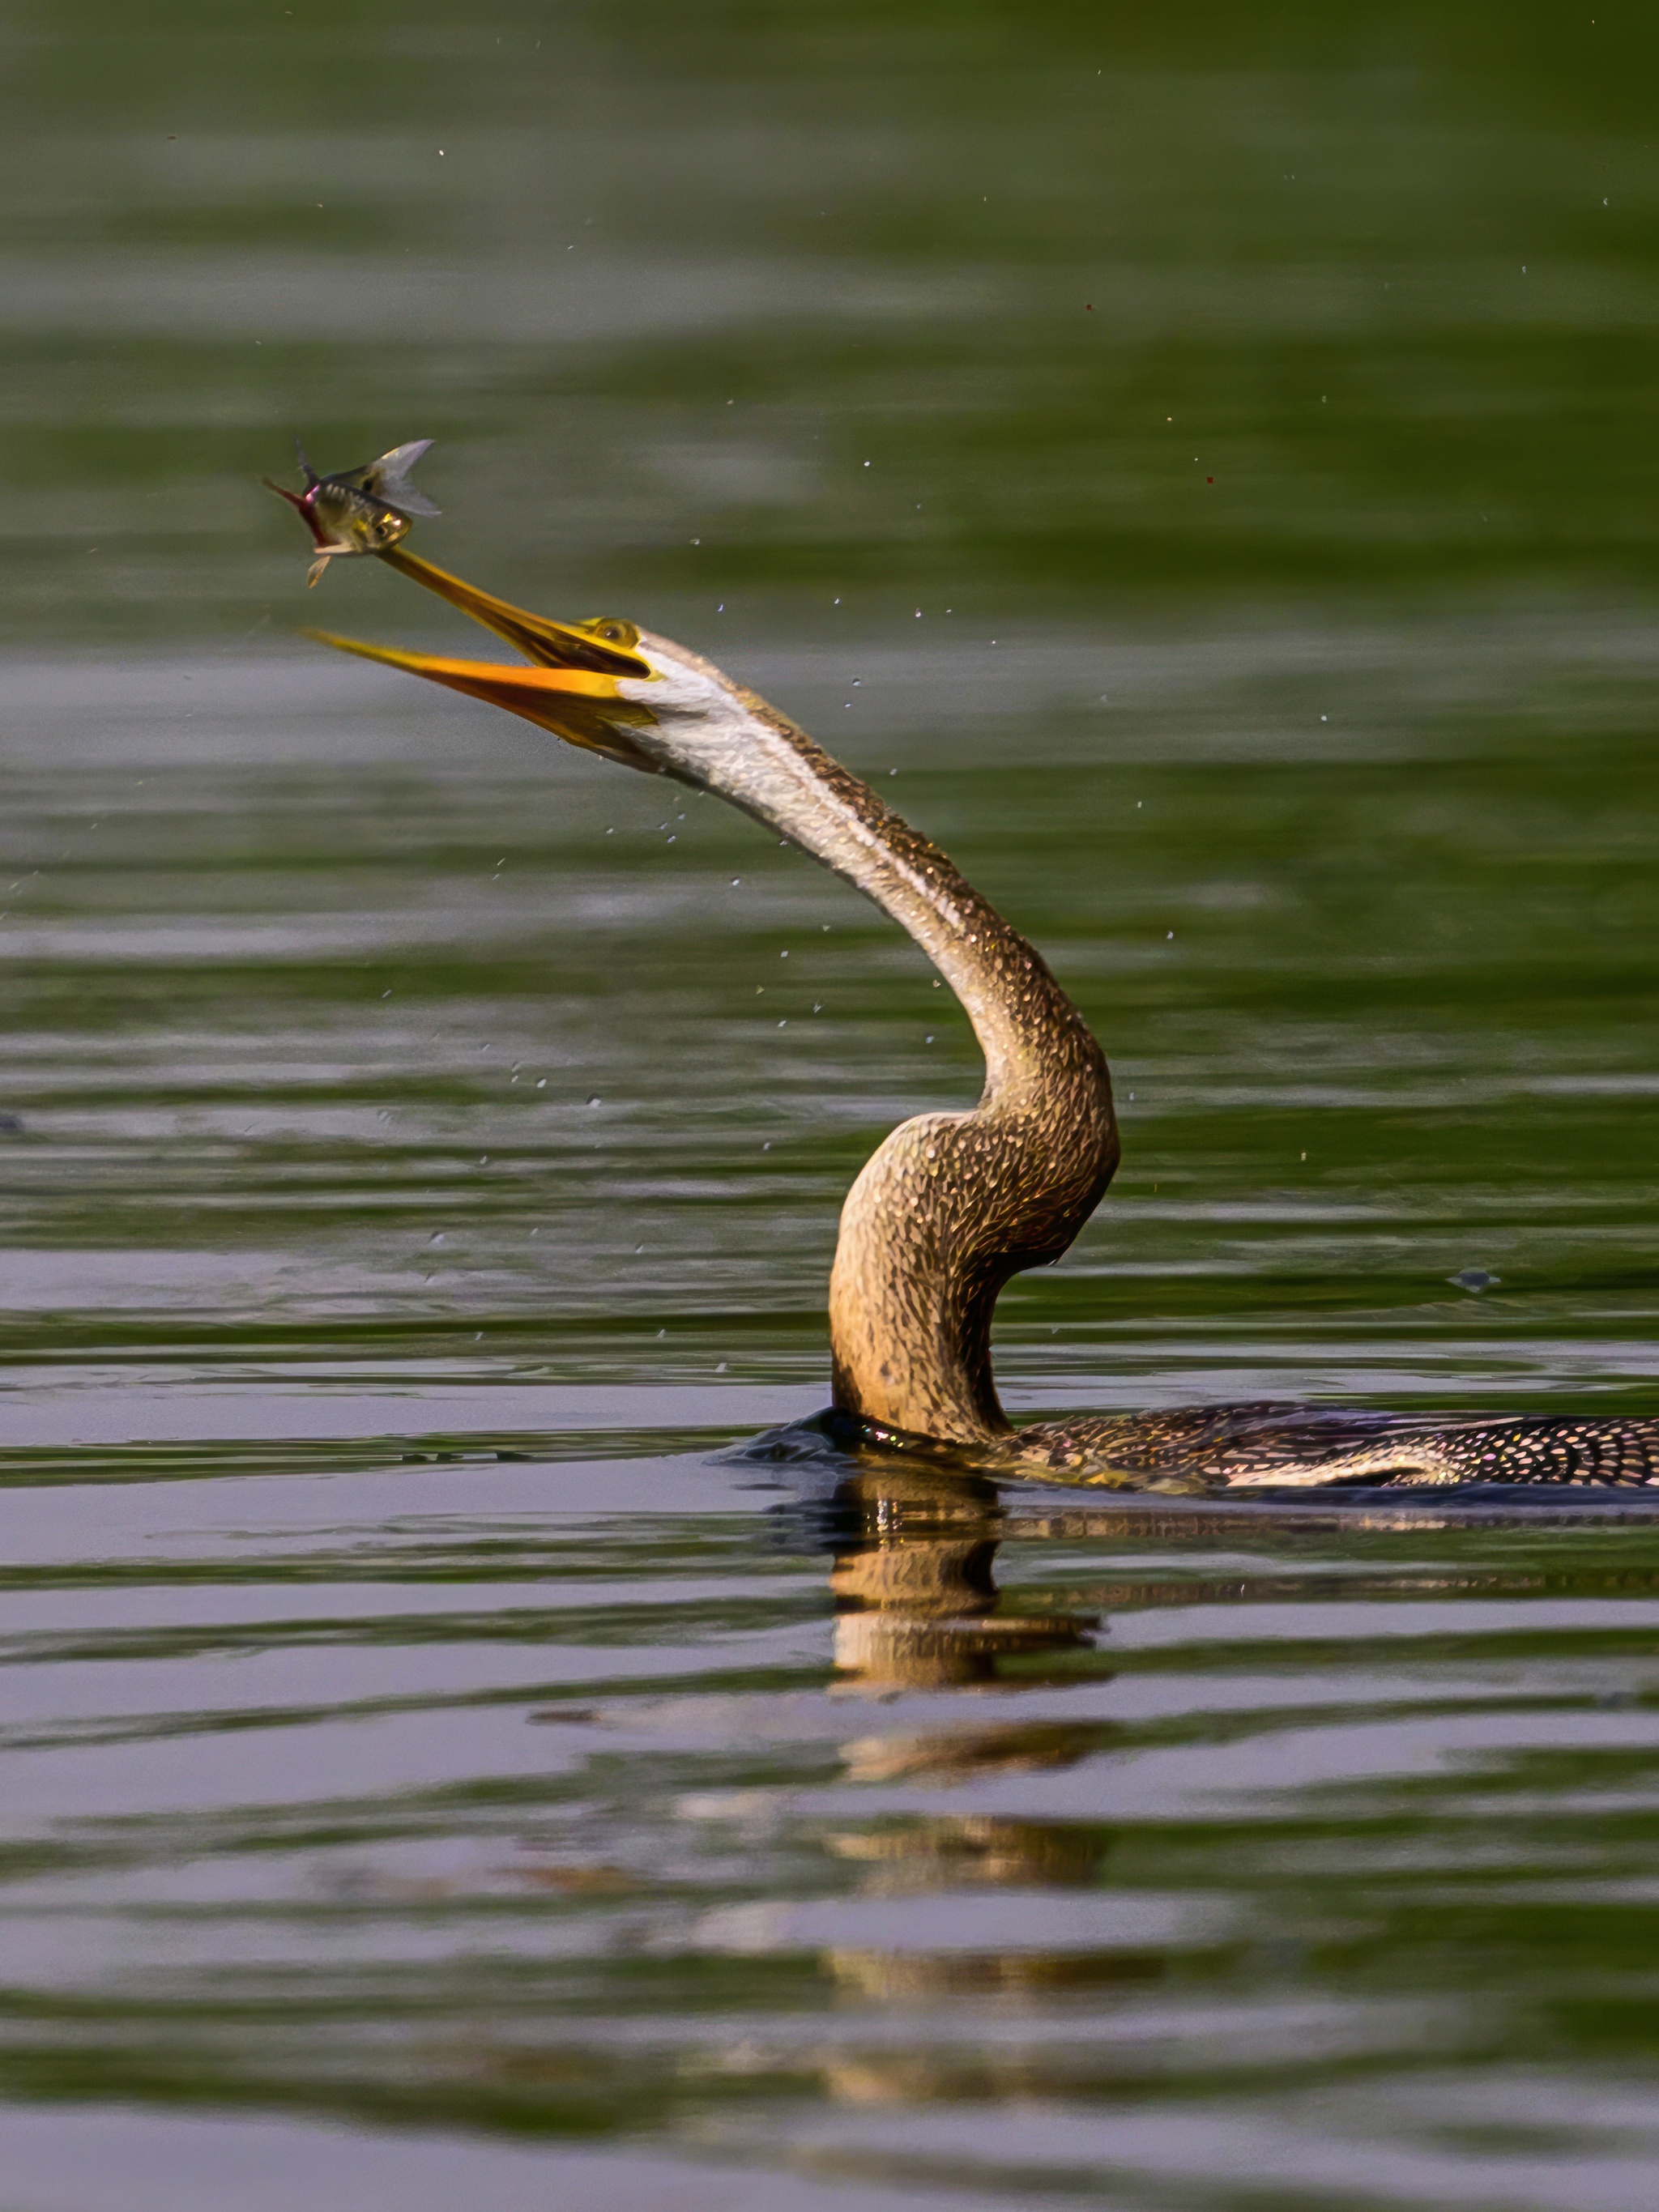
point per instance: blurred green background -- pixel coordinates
(658, 272)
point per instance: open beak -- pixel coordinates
(575, 688)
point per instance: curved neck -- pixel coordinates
(952, 1204)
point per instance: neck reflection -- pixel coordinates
(917, 1606)
(919, 1611)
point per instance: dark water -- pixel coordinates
(1202, 464)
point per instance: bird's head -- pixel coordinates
(602, 684)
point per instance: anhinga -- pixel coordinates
(952, 1204)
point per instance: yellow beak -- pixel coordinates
(535, 693)
(574, 688)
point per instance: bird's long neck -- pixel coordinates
(952, 1204)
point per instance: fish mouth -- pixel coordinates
(573, 688)
(304, 504)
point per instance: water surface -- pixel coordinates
(1202, 473)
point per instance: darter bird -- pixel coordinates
(952, 1204)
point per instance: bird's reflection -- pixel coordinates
(975, 1849)
(916, 1604)
(918, 1610)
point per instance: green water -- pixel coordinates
(1201, 466)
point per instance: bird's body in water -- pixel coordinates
(952, 1204)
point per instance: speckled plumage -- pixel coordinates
(952, 1204)
(1270, 1446)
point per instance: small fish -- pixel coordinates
(358, 510)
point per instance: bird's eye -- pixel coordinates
(612, 631)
